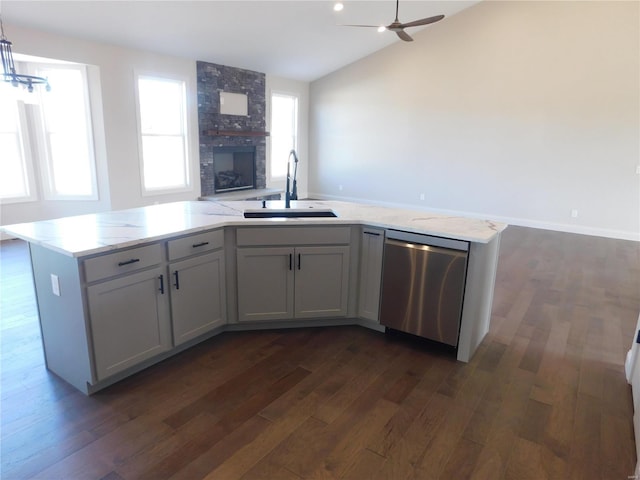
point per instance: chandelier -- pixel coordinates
(9, 73)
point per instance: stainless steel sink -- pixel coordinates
(289, 213)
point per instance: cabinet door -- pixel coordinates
(321, 281)
(370, 273)
(198, 298)
(129, 319)
(265, 284)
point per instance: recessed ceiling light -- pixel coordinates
(338, 6)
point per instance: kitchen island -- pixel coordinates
(119, 291)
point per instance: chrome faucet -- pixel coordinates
(287, 194)
(293, 193)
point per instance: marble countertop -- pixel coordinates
(97, 233)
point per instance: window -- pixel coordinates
(58, 123)
(16, 181)
(67, 134)
(284, 132)
(163, 134)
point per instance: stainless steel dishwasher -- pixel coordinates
(423, 284)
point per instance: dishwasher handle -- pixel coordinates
(431, 240)
(426, 248)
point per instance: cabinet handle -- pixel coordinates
(128, 262)
(299, 262)
(161, 278)
(375, 234)
(202, 244)
(291, 261)
(177, 284)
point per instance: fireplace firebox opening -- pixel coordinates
(234, 168)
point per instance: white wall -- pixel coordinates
(112, 80)
(301, 90)
(517, 111)
(112, 72)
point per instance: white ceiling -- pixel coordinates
(298, 39)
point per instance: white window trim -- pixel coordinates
(145, 192)
(46, 173)
(296, 95)
(25, 147)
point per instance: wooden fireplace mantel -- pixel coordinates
(235, 133)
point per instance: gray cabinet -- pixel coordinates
(134, 302)
(197, 296)
(372, 248)
(321, 281)
(196, 283)
(283, 281)
(265, 283)
(129, 319)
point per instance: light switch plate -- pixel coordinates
(55, 285)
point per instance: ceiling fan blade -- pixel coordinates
(423, 21)
(404, 35)
(347, 25)
(398, 27)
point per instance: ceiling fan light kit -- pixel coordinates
(398, 27)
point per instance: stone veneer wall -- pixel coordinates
(213, 79)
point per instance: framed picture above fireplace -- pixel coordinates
(234, 104)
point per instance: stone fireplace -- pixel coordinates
(225, 132)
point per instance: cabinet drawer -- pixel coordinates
(122, 261)
(199, 243)
(293, 236)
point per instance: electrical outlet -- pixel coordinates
(638, 170)
(422, 196)
(574, 213)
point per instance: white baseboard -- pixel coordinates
(523, 222)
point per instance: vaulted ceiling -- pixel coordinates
(298, 39)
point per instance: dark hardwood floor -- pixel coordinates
(544, 397)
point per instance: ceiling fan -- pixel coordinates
(398, 27)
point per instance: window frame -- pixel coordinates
(42, 134)
(24, 142)
(282, 93)
(188, 154)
